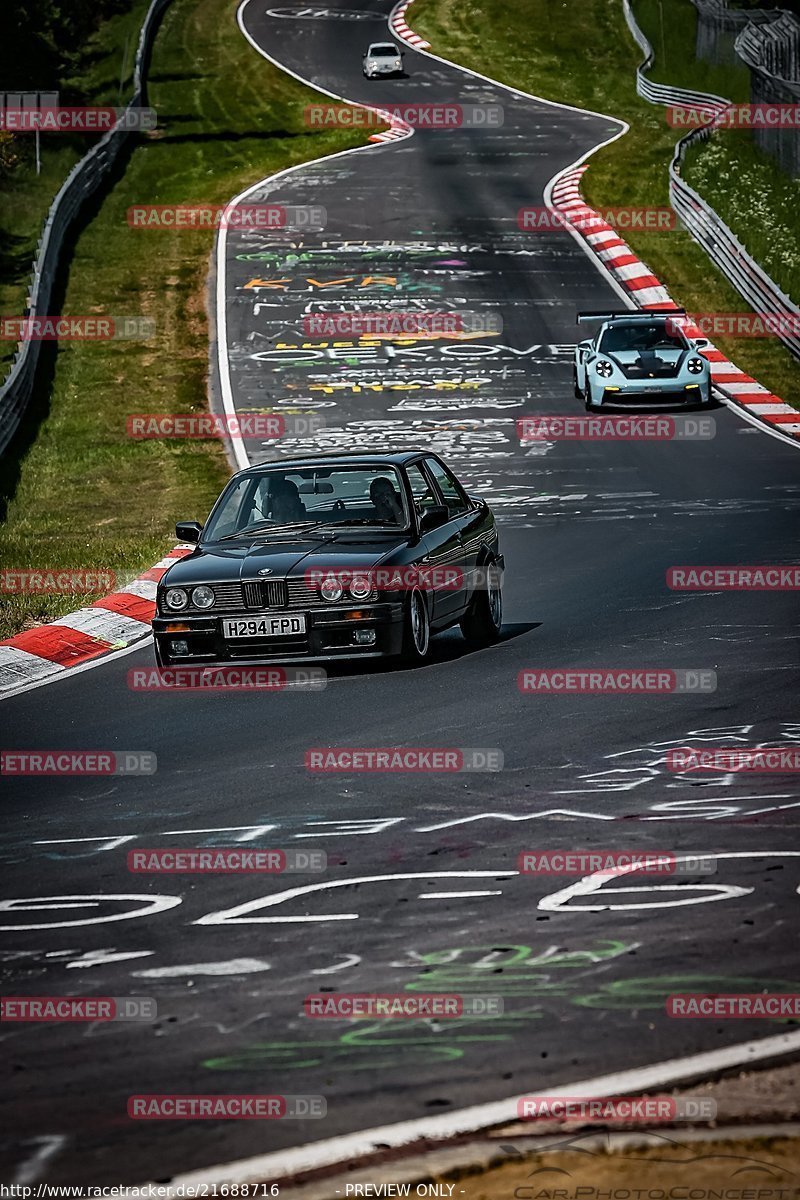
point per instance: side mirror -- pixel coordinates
(433, 517)
(188, 531)
(585, 347)
(700, 343)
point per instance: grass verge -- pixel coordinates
(84, 495)
(102, 76)
(589, 60)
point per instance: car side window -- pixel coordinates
(452, 492)
(421, 490)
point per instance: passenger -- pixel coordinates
(286, 505)
(386, 502)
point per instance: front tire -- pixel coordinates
(575, 388)
(483, 620)
(416, 630)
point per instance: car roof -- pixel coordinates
(361, 458)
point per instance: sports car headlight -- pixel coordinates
(695, 366)
(176, 598)
(202, 597)
(360, 587)
(604, 368)
(331, 589)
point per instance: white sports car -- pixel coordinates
(640, 358)
(383, 58)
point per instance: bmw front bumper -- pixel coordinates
(330, 634)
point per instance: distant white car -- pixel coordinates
(383, 58)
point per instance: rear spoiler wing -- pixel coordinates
(585, 317)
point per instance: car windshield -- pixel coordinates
(383, 51)
(638, 336)
(307, 497)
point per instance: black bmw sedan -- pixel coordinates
(335, 557)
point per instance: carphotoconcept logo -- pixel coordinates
(66, 580)
(615, 428)
(625, 681)
(613, 862)
(227, 679)
(400, 1005)
(225, 1107)
(78, 762)
(59, 328)
(231, 860)
(426, 116)
(74, 1009)
(266, 426)
(710, 578)
(403, 759)
(310, 218)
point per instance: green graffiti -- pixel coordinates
(369, 1045)
(652, 992)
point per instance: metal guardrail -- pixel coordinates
(80, 184)
(702, 222)
(772, 52)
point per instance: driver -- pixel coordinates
(386, 502)
(285, 502)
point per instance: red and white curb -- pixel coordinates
(648, 292)
(113, 623)
(397, 131)
(397, 24)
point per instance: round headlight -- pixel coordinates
(360, 587)
(695, 365)
(202, 597)
(176, 598)
(604, 368)
(331, 589)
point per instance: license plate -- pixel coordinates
(265, 627)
